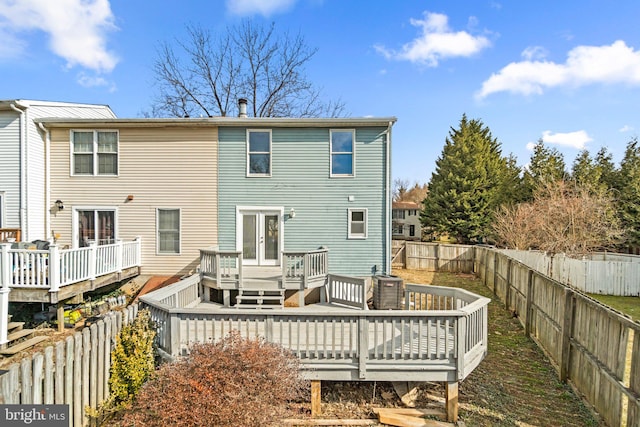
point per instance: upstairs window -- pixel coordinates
(357, 224)
(94, 152)
(259, 153)
(397, 213)
(342, 153)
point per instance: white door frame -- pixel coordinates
(261, 212)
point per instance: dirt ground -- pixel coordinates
(515, 385)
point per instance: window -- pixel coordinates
(398, 229)
(94, 152)
(357, 224)
(168, 231)
(412, 230)
(258, 153)
(342, 152)
(397, 213)
(95, 225)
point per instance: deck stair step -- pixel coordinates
(14, 326)
(16, 335)
(260, 298)
(23, 345)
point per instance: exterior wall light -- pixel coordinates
(59, 205)
(292, 213)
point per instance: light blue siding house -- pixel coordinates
(297, 185)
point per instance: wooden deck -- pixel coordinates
(337, 342)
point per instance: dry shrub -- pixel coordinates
(561, 218)
(234, 382)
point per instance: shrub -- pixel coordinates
(132, 365)
(234, 382)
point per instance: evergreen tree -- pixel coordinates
(607, 169)
(511, 189)
(546, 166)
(629, 192)
(585, 173)
(463, 190)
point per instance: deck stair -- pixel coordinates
(19, 339)
(260, 298)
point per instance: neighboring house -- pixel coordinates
(24, 202)
(256, 185)
(120, 179)
(406, 221)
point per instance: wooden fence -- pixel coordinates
(74, 371)
(438, 257)
(599, 273)
(591, 345)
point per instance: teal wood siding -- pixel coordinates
(300, 180)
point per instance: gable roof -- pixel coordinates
(407, 205)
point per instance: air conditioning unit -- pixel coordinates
(388, 292)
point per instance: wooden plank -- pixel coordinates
(38, 374)
(329, 422)
(58, 397)
(49, 383)
(10, 386)
(23, 345)
(77, 381)
(86, 344)
(316, 398)
(395, 418)
(567, 332)
(416, 412)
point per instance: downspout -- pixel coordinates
(47, 174)
(23, 171)
(387, 215)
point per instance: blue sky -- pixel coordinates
(564, 71)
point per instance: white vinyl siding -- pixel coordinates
(168, 225)
(2, 211)
(357, 224)
(258, 152)
(94, 152)
(342, 157)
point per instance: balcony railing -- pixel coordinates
(54, 268)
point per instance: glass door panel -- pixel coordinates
(270, 240)
(250, 238)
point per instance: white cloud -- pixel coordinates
(436, 42)
(77, 28)
(577, 139)
(531, 146)
(626, 128)
(617, 63)
(261, 7)
(534, 53)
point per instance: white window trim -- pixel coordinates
(74, 219)
(259, 175)
(366, 224)
(240, 210)
(352, 152)
(158, 252)
(95, 153)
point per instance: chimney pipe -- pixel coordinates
(242, 107)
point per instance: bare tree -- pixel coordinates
(208, 72)
(561, 218)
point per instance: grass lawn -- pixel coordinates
(627, 305)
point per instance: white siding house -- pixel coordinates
(24, 201)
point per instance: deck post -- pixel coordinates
(60, 316)
(119, 255)
(363, 346)
(316, 398)
(54, 268)
(93, 260)
(451, 401)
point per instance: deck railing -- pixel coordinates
(305, 268)
(348, 291)
(54, 268)
(394, 345)
(223, 266)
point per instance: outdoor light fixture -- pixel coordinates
(59, 205)
(292, 213)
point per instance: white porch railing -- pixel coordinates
(348, 291)
(305, 267)
(54, 268)
(223, 266)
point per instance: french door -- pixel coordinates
(260, 236)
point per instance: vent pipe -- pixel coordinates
(242, 107)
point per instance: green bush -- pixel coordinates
(132, 365)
